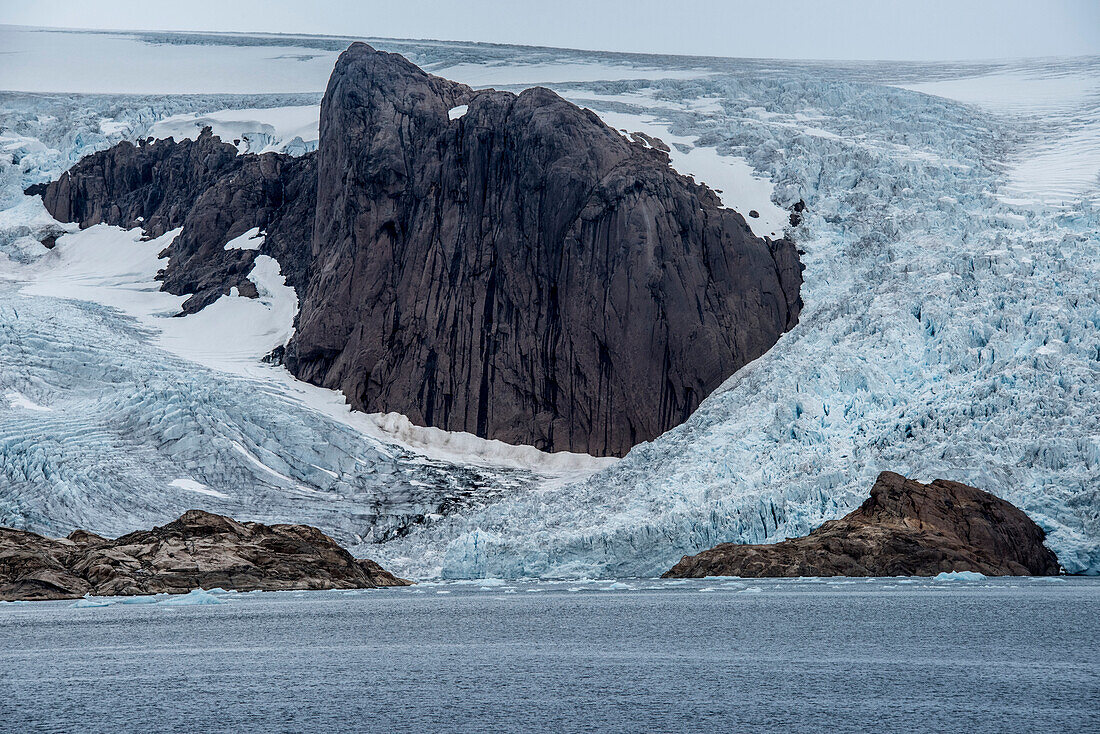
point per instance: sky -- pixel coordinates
(792, 29)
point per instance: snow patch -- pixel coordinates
(521, 74)
(732, 178)
(250, 240)
(456, 112)
(18, 400)
(192, 486)
(294, 130)
(46, 60)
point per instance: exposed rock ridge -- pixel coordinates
(904, 528)
(522, 272)
(199, 550)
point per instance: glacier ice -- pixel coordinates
(950, 330)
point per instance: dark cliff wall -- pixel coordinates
(522, 272)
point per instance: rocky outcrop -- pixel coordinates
(199, 550)
(211, 192)
(520, 270)
(905, 528)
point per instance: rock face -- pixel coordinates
(200, 549)
(904, 529)
(521, 271)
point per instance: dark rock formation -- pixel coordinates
(199, 549)
(211, 192)
(904, 529)
(796, 213)
(522, 272)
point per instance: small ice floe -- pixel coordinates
(443, 591)
(456, 112)
(1054, 579)
(750, 590)
(195, 598)
(148, 599)
(733, 585)
(491, 582)
(708, 588)
(959, 576)
(88, 602)
(619, 586)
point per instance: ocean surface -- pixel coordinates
(993, 655)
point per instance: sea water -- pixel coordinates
(836, 655)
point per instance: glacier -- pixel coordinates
(951, 327)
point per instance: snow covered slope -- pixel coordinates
(292, 130)
(951, 329)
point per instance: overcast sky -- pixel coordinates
(821, 29)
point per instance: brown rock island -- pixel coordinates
(199, 550)
(904, 528)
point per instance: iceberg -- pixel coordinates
(959, 576)
(144, 599)
(194, 598)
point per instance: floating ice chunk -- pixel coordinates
(250, 240)
(88, 602)
(456, 112)
(959, 576)
(619, 586)
(196, 598)
(750, 590)
(147, 599)
(734, 585)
